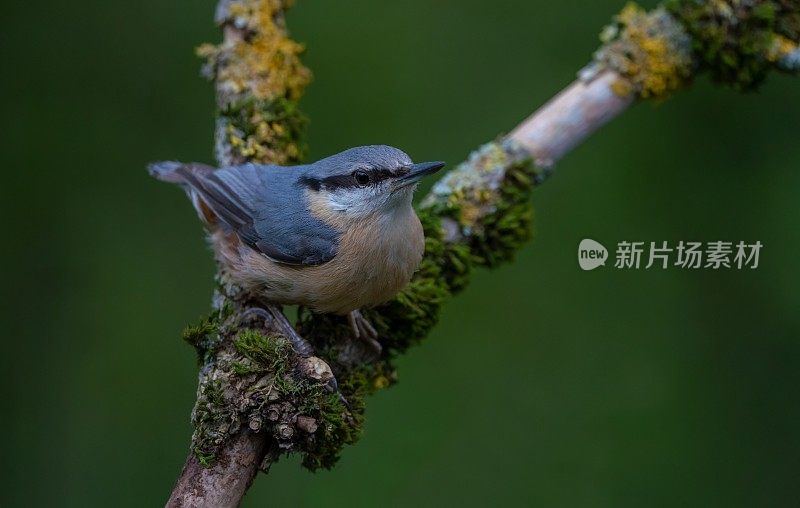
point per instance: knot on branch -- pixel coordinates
(739, 41)
(251, 376)
(650, 50)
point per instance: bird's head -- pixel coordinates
(364, 181)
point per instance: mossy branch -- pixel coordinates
(257, 397)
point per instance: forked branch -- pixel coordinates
(257, 398)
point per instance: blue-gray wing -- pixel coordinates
(268, 211)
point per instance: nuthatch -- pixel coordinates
(336, 235)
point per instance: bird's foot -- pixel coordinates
(274, 316)
(364, 331)
(312, 366)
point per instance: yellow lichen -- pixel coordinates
(266, 63)
(381, 382)
(781, 47)
(259, 146)
(473, 188)
(259, 78)
(649, 50)
(622, 87)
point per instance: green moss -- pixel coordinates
(213, 419)
(262, 369)
(202, 335)
(408, 318)
(337, 426)
(738, 42)
(205, 335)
(488, 197)
(265, 353)
(450, 263)
(243, 368)
(206, 460)
(508, 227)
(266, 131)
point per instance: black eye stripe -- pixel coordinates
(336, 182)
(383, 174)
(312, 183)
(339, 182)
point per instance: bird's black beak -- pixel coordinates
(418, 171)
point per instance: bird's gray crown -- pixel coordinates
(352, 168)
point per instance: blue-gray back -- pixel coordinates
(267, 207)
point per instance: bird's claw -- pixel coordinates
(273, 315)
(333, 386)
(364, 331)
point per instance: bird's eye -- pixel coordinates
(362, 177)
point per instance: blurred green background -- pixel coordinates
(543, 385)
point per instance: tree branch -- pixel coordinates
(570, 117)
(225, 483)
(258, 397)
(258, 78)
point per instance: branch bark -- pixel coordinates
(477, 215)
(225, 483)
(570, 117)
(253, 68)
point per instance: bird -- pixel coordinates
(336, 236)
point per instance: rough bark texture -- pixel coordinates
(224, 484)
(260, 396)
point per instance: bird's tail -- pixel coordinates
(176, 172)
(166, 171)
(185, 175)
